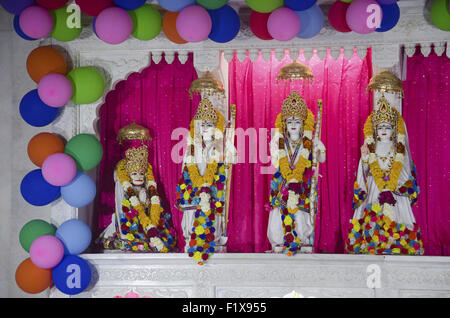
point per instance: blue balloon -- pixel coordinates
(19, 30)
(80, 192)
(225, 24)
(75, 236)
(175, 5)
(36, 191)
(16, 6)
(129, 4)
(299, 5)
(72, 275)
(311, 22)
(391, 15)
(35, 112)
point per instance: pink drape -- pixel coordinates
(158, 99)
(426, 111)
(341, 84)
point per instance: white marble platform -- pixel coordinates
(266, 275)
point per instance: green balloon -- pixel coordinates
(86, 150)
(347, 1)
(265, 6)
(212, 4)
(64, 25)
(440, 14)
(147, 22)
(88, 84)
(34, 229)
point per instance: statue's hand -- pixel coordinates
(364, 151)
(142, 196)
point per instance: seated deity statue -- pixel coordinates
(140, 223)
(290, 223)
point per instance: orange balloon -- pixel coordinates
(169, 26)
(43, 145)
(32, 279)
(44, 60)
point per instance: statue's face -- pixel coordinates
(137, 177)
(384, 132)
(294, 125)
(207, 129)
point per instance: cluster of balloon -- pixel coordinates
(285, 20)
(364, 16)
(54, 257)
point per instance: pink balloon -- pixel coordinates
(46, 251)
(336, 16)
(113, 25)
(59, 169)
(283, 24)
(55, 90)
(194, 24)
(36, 22)
(364, 16)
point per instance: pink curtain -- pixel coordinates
(341, 84)
(426, 111)
(158, 99)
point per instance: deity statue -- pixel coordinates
(291, 224)
(386, 185)
(140, 223)
(201, 191)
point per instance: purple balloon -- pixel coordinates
(55, 90)
(46, 251)
(283, 24)
(387, 1)
(194, 24)
(113, 25)
(364, 16)
(16, 6)
(59, 169)
(36, 22)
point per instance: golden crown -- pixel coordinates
(136, 159)
(294, 105)
(384, 114)
(206, 111)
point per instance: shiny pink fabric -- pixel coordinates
(341, 84)
(158, 99)
(426, 109)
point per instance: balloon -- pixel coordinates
(129, 4)
(147, 22)
(32, 279)
(59, 169)
(36, 191)
(283, 24)
(337, 16)
(64, 29)
(43, 145)
(264, 6)
(311, 22)
(36, 22)
(258, 25)
(169, 26)
(72, 275)
(440, 14)
(88, 84)
(225, 24)
(46, 251)
(391, 15)
(350, 1)
(80, 192)
(44, 60)
(299, 5)
(364, 16)
(34, 229)
(75, 236)
(386, 2)
(86, 150)
(35, 112)
(194, 24)
(55, 90)
(113, 25)
(16, 6)
(212, 4)
(19, 30)
(175, 5)
(93, 8)
(52, 4)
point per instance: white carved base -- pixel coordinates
(266, 275)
